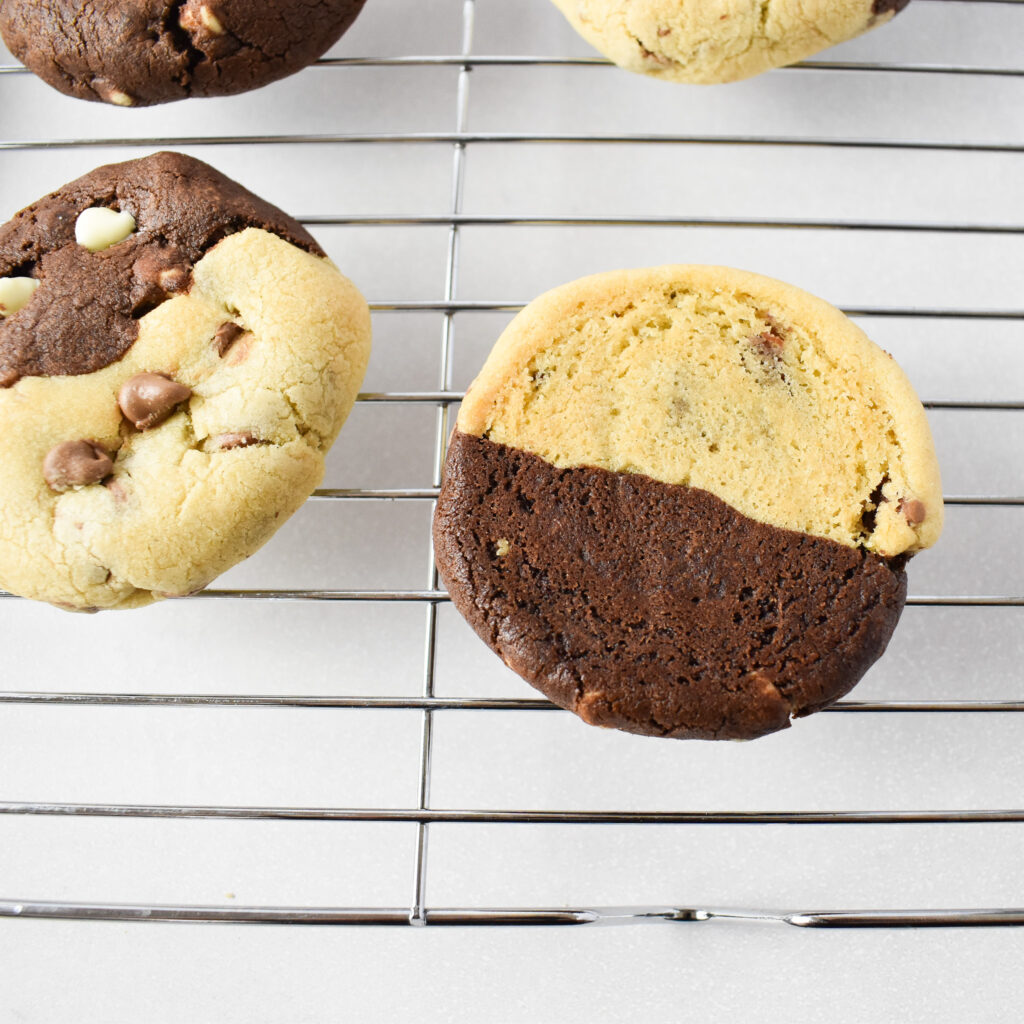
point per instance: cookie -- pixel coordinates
(705, 41)
(134, 53)
(679, 501)
(176, 357)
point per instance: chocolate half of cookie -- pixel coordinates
(680, 501)
(140, 52)
(107, 248)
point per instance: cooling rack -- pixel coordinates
(482, 239)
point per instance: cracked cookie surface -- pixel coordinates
(141, 52)
(679, 501)
(708, 41)
(153, 465)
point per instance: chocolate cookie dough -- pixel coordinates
(169, 208)
(141, 52)
(679, 501)
(176, 357)
(707, 41)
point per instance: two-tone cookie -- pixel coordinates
(679, 501)
(705, 41)
(176, 357)
(139, 52)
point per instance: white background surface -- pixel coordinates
(108, 972)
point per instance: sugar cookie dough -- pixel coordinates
(706, 41)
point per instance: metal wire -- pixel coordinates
(445, 703)
(505, 917)
(517, 817)
(418, 913)
(423, 815)
(479, 138)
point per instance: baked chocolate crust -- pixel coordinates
(84, 314)
(651, 607)
(141, 52)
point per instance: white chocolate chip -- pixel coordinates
(15, 293)
(109, 93)
(206, 19)
(502, 548)
(99, 228)
(210, 21)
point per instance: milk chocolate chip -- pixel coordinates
(767, 344)
(76, 463)
(227, 334)
(913, 511)
(147, 399)
(226, 442)
(880, 7)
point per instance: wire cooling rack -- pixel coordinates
(425, 813)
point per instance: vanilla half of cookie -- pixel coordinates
(679, 501)
(708, 41)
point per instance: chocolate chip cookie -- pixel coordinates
(140, 52)
(176, 357)
(705, 41)
(679, 501)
